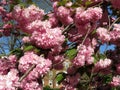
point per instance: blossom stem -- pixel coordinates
(68, 28)
(85, 38)
(113, 23)
(28, 71)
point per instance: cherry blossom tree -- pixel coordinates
(72, 32)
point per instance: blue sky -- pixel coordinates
(105, 47)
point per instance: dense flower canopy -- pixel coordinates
(71, 33)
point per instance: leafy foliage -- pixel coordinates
(71, 53)
(60, 77)
(18, 52)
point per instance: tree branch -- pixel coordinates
(28, 71)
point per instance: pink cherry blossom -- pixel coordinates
(50, 38)
(115, 34)
(84, 56)
(84, 18)
(64, 15)
(95, 13)
(28, 14)
(7, 82)
(31, 85)
(53, 19)
(37, 25)
(2, 10)
(89, 15)
(42, 65)
(26, 39)
(7, 63)
(103, 34)
(115, 81)
(102, 64)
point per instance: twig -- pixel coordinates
(110, 26)
(84, 38)
(113, 23)
(68, 28)
(28, 71)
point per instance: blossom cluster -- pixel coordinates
(8, 81)
(84, 18)
(43, 35)
(84, 56)
(7, 63)
(106, 35)
(29, 58)
(102, 64)
(8, 70)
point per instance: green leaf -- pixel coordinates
(31, 48)
(75, 5)
(60, 77)
(17, 1)
(18, 52)
(79, 1)
(37, 50)
(114, 88)
(96, 59)
(62, 2)
(11, 7)
(88, 3)
(71, 53)
(28, 48)
(102, 56)
(93, 32)
(107, 78)
(23, 5)
(29, 2)
(98, 56)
